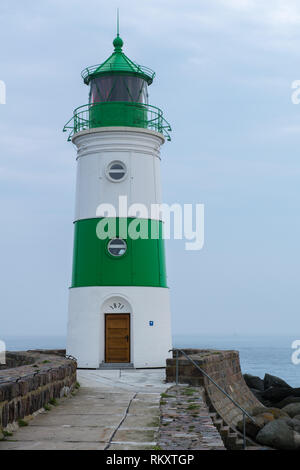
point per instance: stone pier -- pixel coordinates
(113, 410)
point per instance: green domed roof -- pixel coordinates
(117, 63)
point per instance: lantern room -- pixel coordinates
(118, 96)
(118, 79)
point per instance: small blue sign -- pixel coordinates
(151, 323)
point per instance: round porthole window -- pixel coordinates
(117, 247)
(116, 171)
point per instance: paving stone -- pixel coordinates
(186, 423)
(63, 434)
(148, 397)
(144, 409)
(91, 420)
(51, 445)
(135, 446)
(147, 421)
(94, 410)
(129, 435)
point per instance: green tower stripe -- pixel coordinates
(143, 264)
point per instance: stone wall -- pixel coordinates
(16, 359)
(224, 368)
(31, 381)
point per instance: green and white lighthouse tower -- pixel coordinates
(119, 310)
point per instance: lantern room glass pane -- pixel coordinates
(119, 88)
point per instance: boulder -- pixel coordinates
(261, 416)
(276, 394)
(293, 409)
(287, 401)
(288, 420)
(254, 382)
(279, 434)
(273, 381)
(275, 412)
(267, 403)
(257, 410)
(252, 428)
(296, 425)
(258, 394)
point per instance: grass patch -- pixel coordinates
(165, 395)
(47, 407)
(191, 428)
(46, 361)
(77, 385)
(162, 402)
(193, 407)
(7, 434)
(53, 402)
(189, 391)
(22, 423)
(156, 448)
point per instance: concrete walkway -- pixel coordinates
(113, 410)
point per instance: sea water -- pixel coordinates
(258, 354)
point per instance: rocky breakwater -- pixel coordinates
(277, 421)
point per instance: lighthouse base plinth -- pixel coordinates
(115, 325)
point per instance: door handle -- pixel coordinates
(127, 337)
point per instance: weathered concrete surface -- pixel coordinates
(111, 410)
(145, 380)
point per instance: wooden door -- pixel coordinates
(117, 338)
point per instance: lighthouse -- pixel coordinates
(119, 306)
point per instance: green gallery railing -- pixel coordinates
(117, 113)
(141, 69)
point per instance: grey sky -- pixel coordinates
(224, 73)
